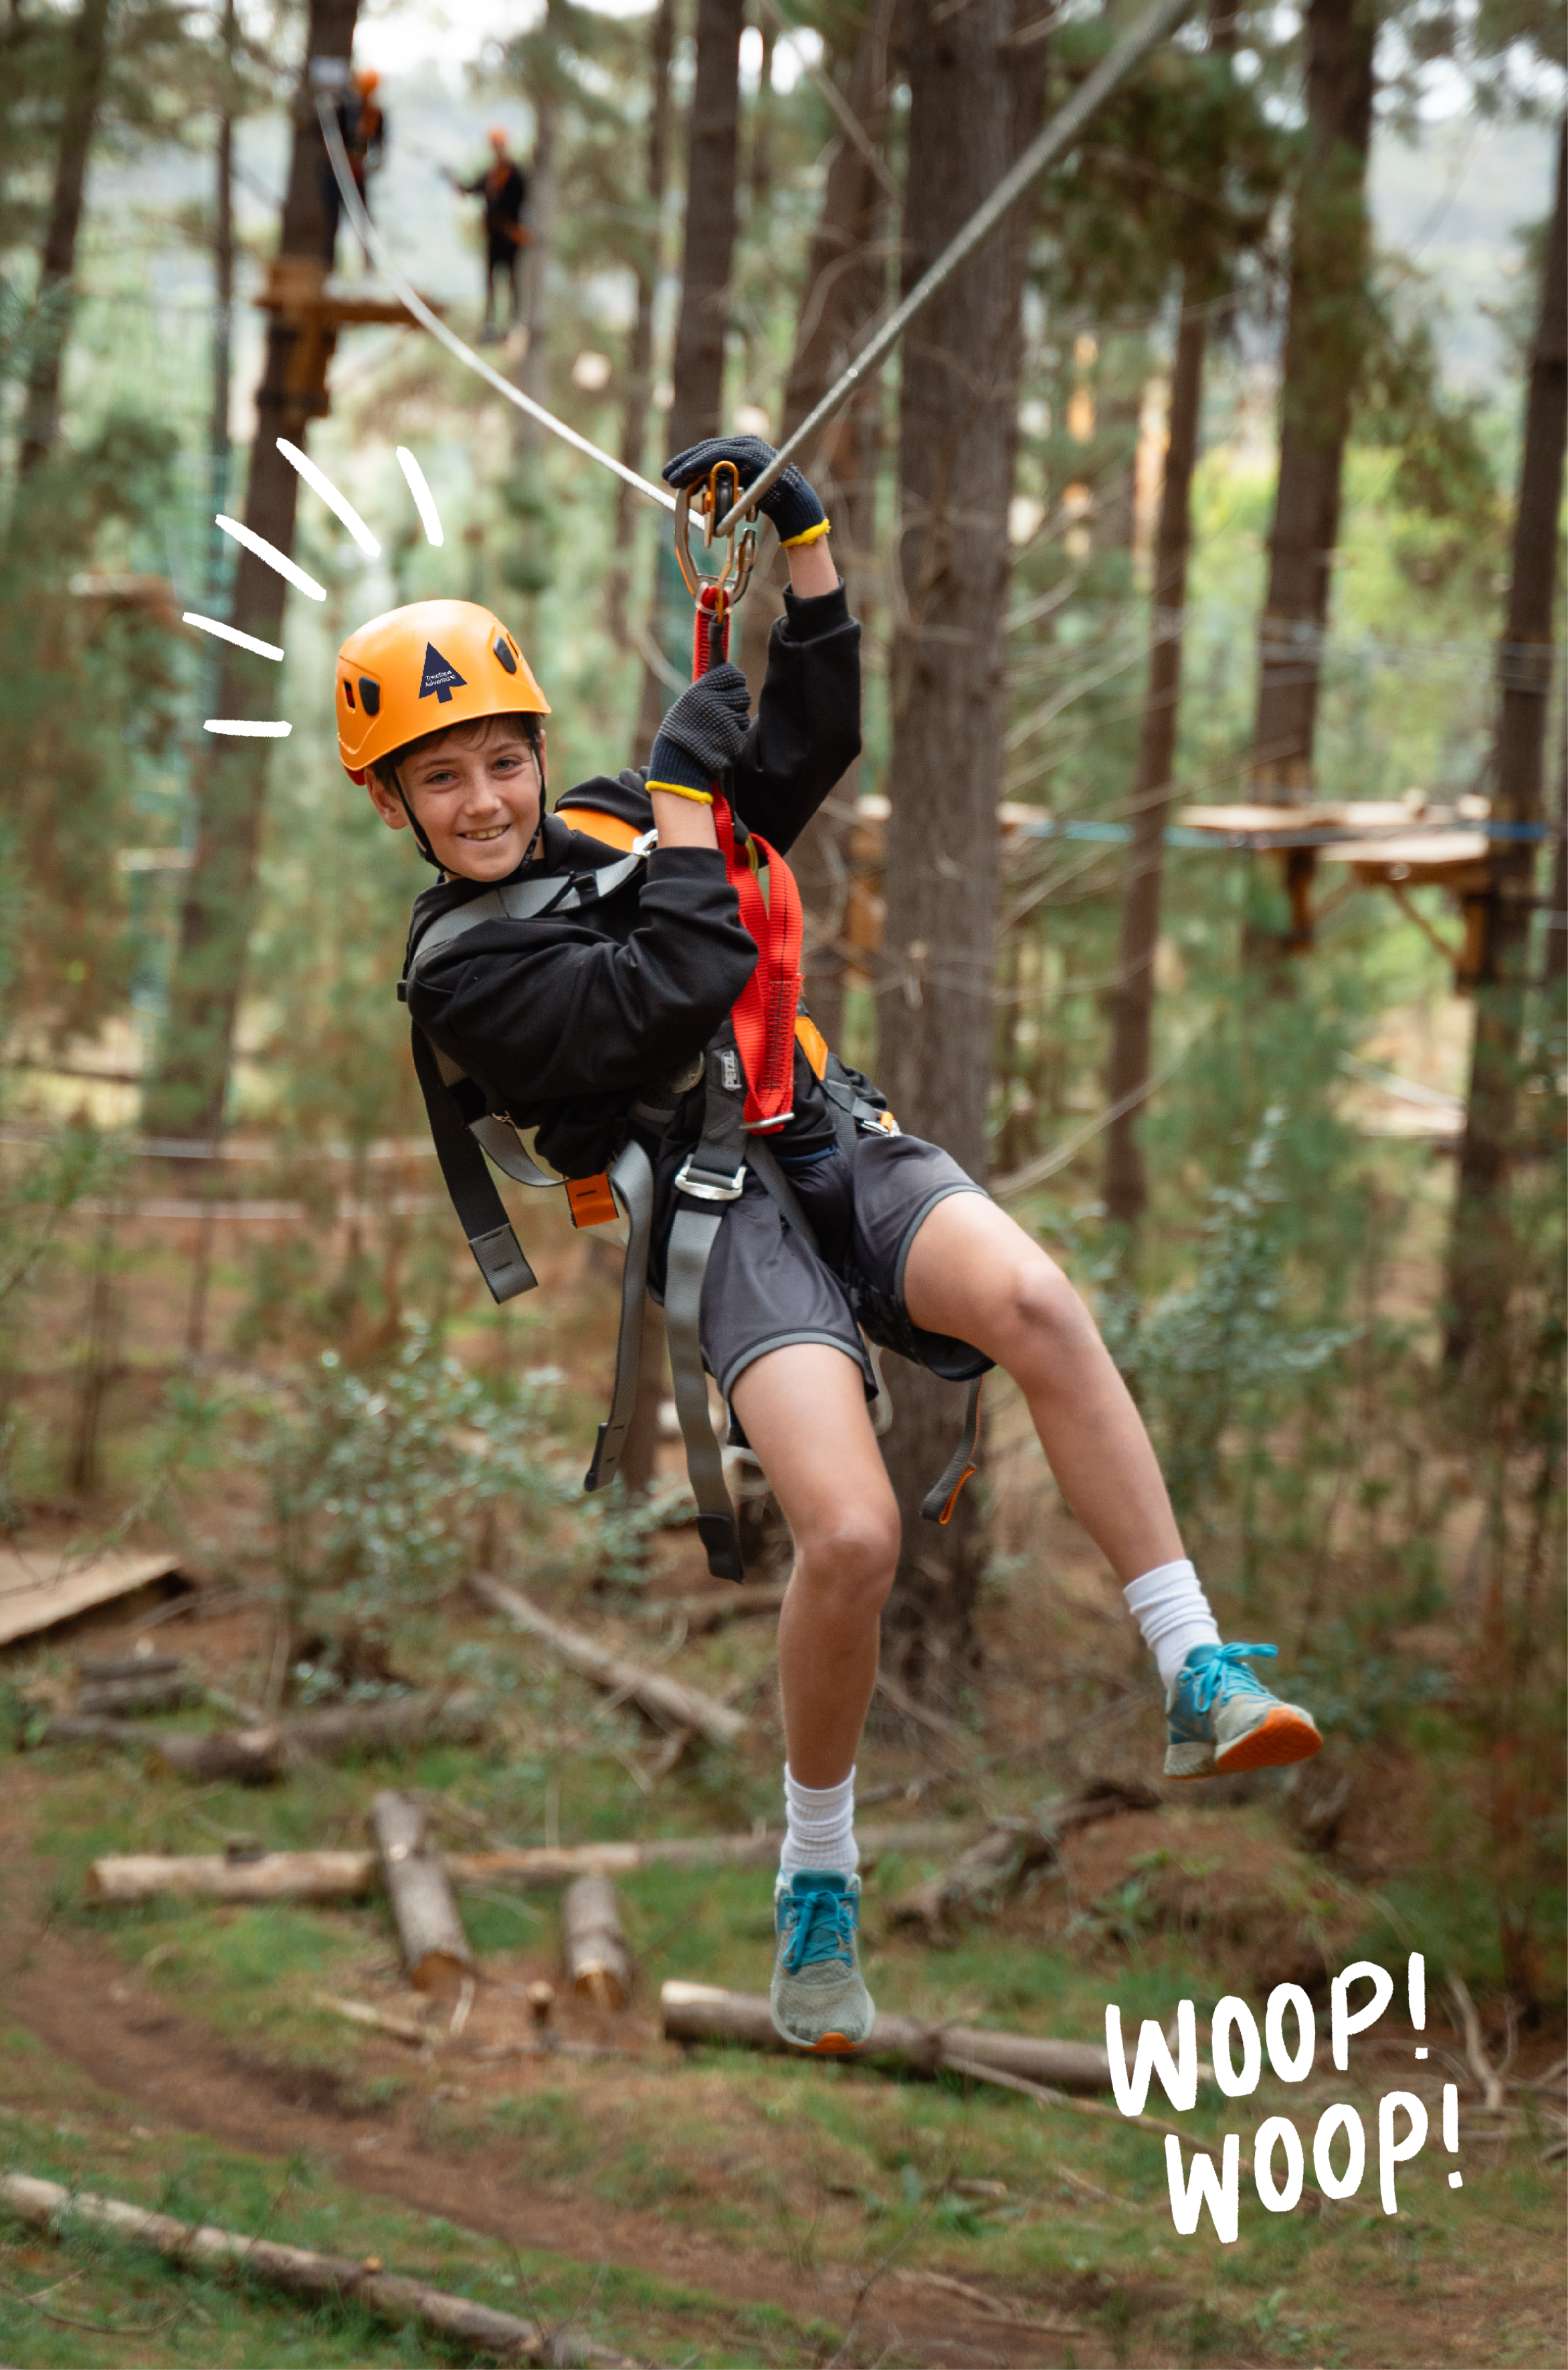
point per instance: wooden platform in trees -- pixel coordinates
(300, 292)
(1395, 844)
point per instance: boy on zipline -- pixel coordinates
(586, 1006)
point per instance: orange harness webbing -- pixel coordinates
(764, 1013)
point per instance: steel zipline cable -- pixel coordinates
(1057, 137)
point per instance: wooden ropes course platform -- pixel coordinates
(302, 296)
(1397, 845)
(1393, 844)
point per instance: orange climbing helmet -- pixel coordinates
(423, 669)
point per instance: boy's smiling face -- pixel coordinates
(475, 795)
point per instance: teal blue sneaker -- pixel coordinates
(818, 1996)
(1220, 1717)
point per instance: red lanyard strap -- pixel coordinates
(763, 1013)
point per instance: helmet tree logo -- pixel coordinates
(439, 677)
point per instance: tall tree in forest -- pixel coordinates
(1480, 1252)
(974, 102)
(1204, 274)
(1330, 251)
(188, 1090)
(1126, 1187)
(86, 59)
(223, 281)
(845, 282)
(541, 79)
(709, 256)
(710, 225)
(639, 360)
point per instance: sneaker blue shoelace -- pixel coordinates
(819, 1926)
(1226, 1670)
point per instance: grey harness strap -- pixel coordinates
(710, 1179)
(631, 1180)
(485, 1221)
(526, 901)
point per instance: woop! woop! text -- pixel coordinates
(1290, 2039)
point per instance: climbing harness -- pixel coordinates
(748, 1078)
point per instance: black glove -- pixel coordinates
(704, 732)
(789, 501)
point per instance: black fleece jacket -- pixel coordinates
(561, 1022)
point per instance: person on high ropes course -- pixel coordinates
(362, 126)
(503, 185)
(603, 1009)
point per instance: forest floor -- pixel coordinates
(710, 2207)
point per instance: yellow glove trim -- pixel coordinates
(684, 790)
(812, 534)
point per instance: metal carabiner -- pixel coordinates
(715, 497)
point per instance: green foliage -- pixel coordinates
(1222, 1349)
(383, 1486)
(91, 685)
(1443, 471)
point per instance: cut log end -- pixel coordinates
(599, 1965)
(435, 1949)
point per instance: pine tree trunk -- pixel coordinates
(698, 406)
(1127, 1084)
(639, 360)
(973, 103)
(705, 291)
(1480, 1254)
(187, 1095)
(846, 281)
(222, 293)
(533, 371)
(87, 55)
(1329, 251)
(1554, 966)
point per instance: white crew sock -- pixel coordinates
(1170, 1609)
(819, 1830)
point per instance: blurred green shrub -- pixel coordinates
(385, 1488)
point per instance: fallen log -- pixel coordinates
(263, 1755)
(344, 1875)
(699, 2013)
(598, 1966)
(670, 1702)
(997, 1864)
(300, 2271)
(132, 1698)
(436, 1956)
(211, 1876)
(130, 1684)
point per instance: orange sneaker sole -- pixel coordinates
(832, 2044)
(1282, 1736)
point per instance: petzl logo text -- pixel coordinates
(440, 676)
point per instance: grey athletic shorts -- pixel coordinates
(765, 1287)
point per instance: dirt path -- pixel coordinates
(75, 1996)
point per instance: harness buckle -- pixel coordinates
(706, 1187)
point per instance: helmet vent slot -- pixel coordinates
(369, 695)
(348, 691)
(504, 654)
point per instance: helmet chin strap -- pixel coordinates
(417, 827)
